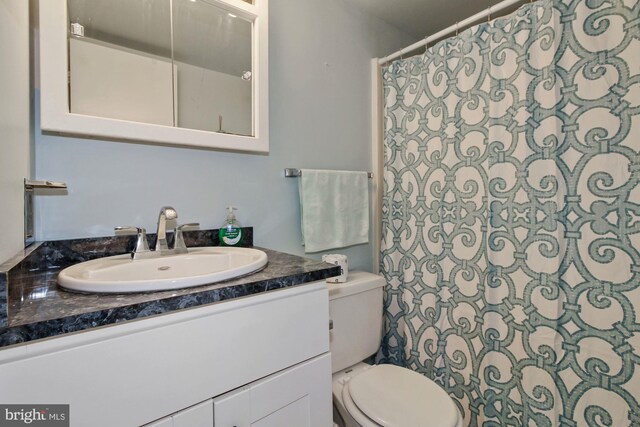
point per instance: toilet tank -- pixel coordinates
(355, 307)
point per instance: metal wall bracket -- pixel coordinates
(29, 187)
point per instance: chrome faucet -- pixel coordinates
(142, 247)
(179, 247)
(167, 213)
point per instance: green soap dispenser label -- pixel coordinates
(230, 236)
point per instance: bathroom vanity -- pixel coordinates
(252, 351)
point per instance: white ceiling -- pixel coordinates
(421, 18)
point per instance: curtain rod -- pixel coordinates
(452, 29)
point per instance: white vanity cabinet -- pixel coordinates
(294, 397)
(199, 415)
(260, 361)
(297, 396)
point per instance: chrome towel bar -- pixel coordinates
(295, 173)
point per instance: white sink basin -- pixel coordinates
(118, 274)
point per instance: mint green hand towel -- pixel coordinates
(334, 208)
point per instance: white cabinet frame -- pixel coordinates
(133, 373)
(54, 94)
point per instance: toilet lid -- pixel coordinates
(398, 397)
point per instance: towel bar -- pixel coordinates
(295, 173)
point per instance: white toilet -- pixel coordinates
(376, 395)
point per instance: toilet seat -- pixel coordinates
(391, 396)
(353, 410)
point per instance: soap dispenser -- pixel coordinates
(230, 232)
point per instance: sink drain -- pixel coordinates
(164, 268)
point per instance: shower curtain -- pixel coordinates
(511, 216)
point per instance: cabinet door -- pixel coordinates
(294, 414)
(200, 415)
(233, 409)
(164, 422)
(298, 396)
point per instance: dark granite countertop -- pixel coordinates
(33, 306)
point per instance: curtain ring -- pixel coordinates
(457, 28)
(489, 14)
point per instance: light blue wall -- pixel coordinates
(320, 52)
(15, 142)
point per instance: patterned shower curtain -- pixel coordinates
(511, 216)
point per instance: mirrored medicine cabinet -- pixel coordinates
(179, 72)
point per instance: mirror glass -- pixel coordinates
(181, 63)
(212, 56)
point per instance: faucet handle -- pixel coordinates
(190, 225)
(142, 245)
(179, 244)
